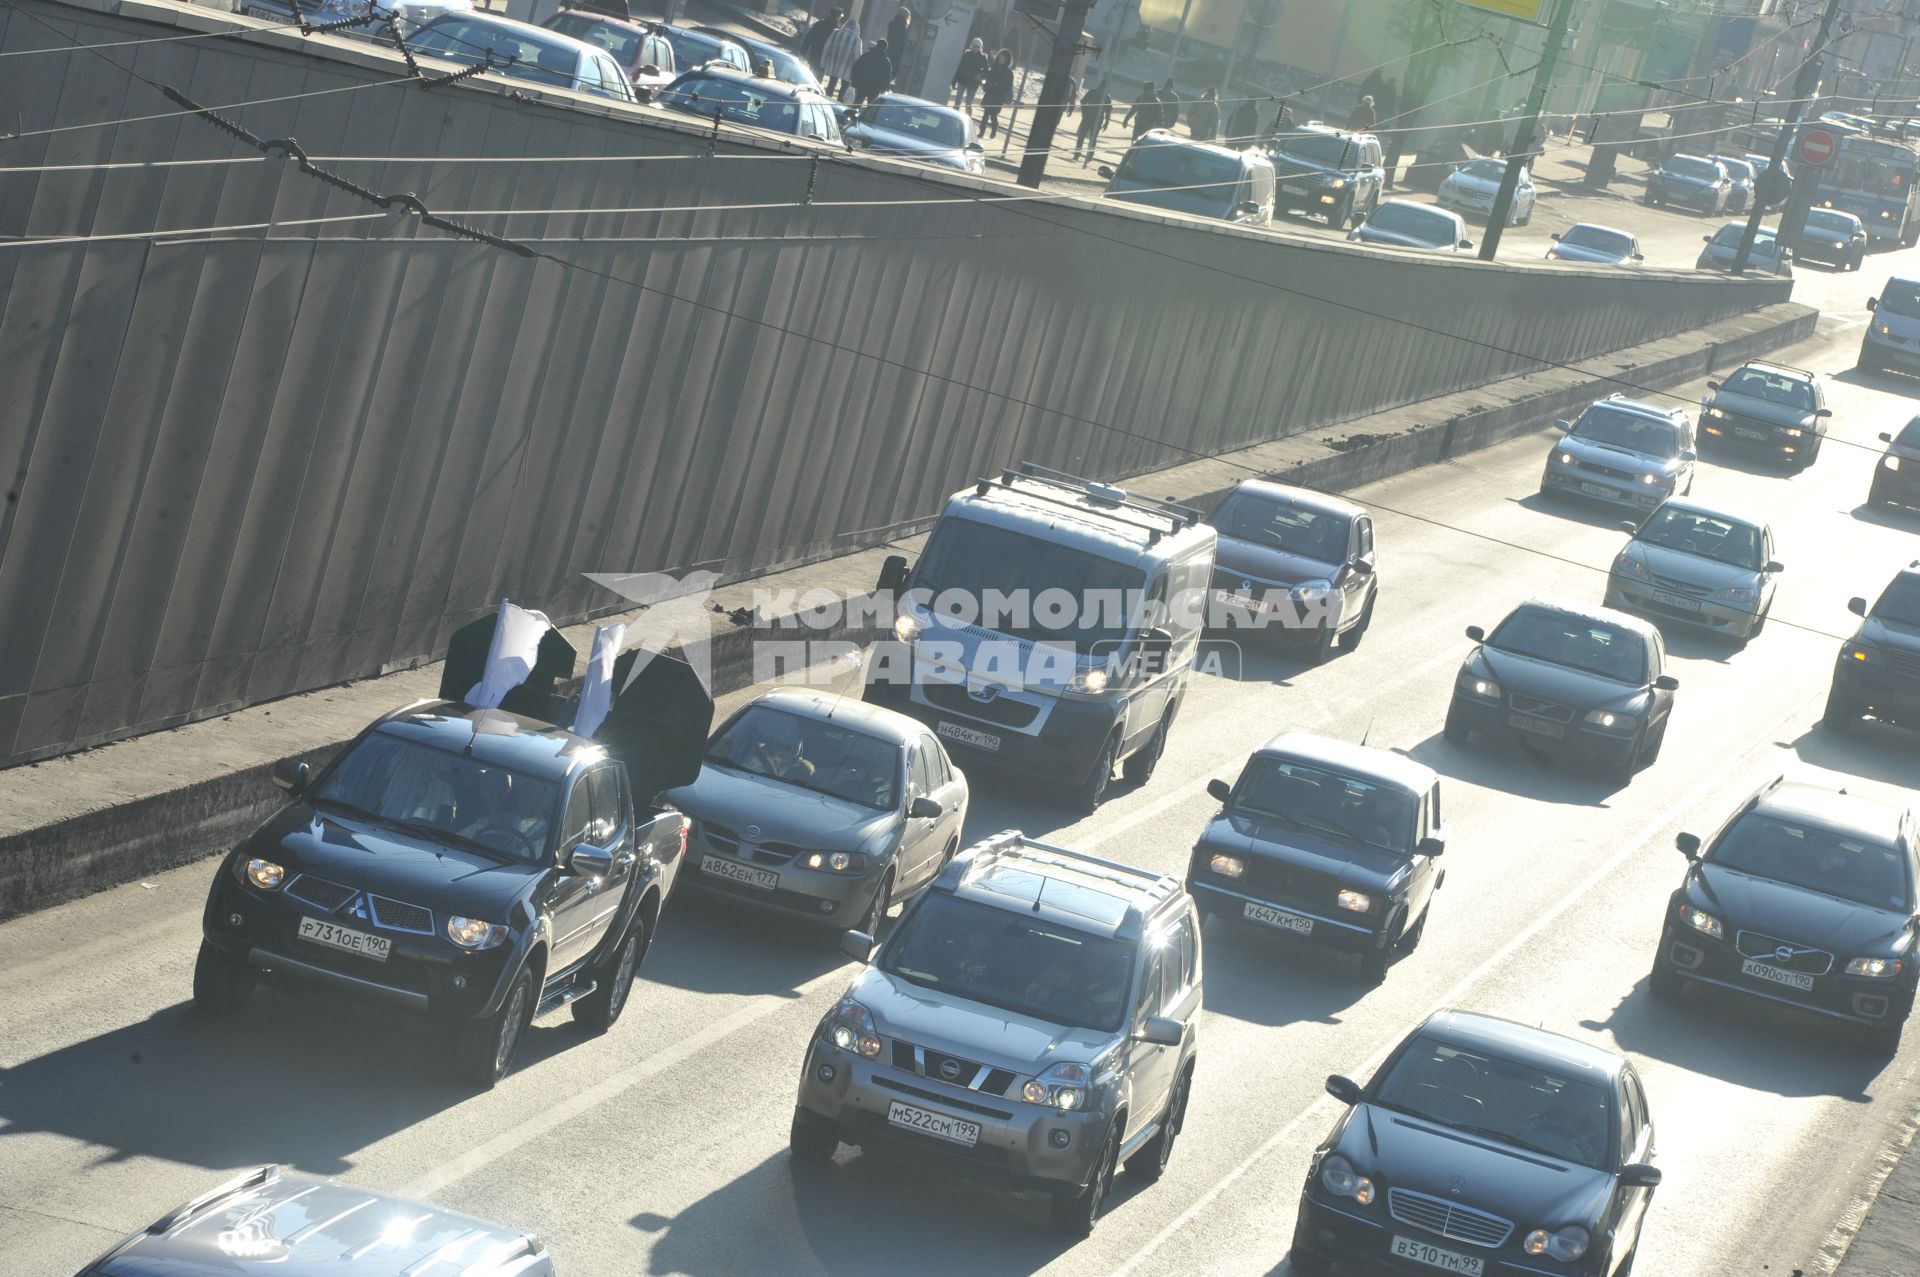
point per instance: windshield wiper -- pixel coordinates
(434, 833)
(1506, 1138)
(351, 808)
(1280, 816)
(1335, 827)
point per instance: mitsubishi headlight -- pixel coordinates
(1743, 594)
(1089, 682)
(472, 933)
(837, 862)
(1338, 1177)
(1703, 922)
(1064, 1086)
(264, 874)
(906, 628)
(852, 1029)
(1227, 866)
(1875, 968)
(1566, 1245)
(1354, 901)
(1627, 565)
(1891, 462)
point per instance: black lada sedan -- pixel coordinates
(1325, 840)
(1586, 684)
(1805, 897)
(1486, 1148)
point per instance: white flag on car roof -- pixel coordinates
(511, 658)
(596, 686)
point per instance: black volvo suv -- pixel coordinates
(478, 867)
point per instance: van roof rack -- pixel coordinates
(1027, 477)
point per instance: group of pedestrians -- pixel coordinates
(849, 68)
(990, 80)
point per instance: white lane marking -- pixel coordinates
(1630, 848)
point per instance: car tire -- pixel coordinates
(1884, 1039)
(221, 985)
(1663, 982)
(1840, 713)
(1150, 1163)
(1342, 214)
(1759, 624)
(1359, 630)
(613, 980)
(1374, 963)
(1075, 1214)
(485, 1048)
(1410, 938)
(1622, 773)
(876, 915)
(1138, 769)
(1456, 730)
(810, 1140)
(1089, 793)
(1320, 646)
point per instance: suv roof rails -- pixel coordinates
(258, 1177)
(1775, 363)
(1028, 476)
(1150, 889)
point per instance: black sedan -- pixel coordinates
(1831, 236)
(1486, 1148)
(1806, 898)
(1586, 684)
(1328, 841)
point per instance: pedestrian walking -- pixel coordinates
(971, 71)
(872, 73)
(1243, 125)
(1203, 117)
(899, 33)
(814, 47)
(996, 91)
(1362, 120)
(843, 50)
(1170, 106)
(1095, 110)
(1144, 114)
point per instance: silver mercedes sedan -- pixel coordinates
(1699, 565)
(822, 808)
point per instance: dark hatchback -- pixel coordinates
(1585, 684)
(1328, 841)
(1691, 181)
(477, 868)
(1302, 558)
(1483, 1147)
(1804, 897)
(1896, 480)
(1878, 669)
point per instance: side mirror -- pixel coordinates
(1640, 1175)
(1105, 171)
(1466, 243)
(1775, 565)
(893, 574)
(924, 808)
(1563, 423)
(1823, 412)
(1857, 606)
(1157, 642)
(1219, 790)
(1637, 257)
(1689, 845)
(1629, 527)
(1873, 303)
(291, 775)
(1433, 844)
(1344, 1089)
(1477, 634)
(975, 146)
(649, 69)
(591, 862)
(1885, 437)
(1161, 1031)
(857, 945)
(1688, 454)
(1666, 683)
(1555, 236)
(1361, 567)
(1706, 239)
(1713, 385)
(1250, 208)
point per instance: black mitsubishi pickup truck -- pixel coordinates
(477, 867)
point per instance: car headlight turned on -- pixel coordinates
(1875, 968)
(1611, 719)
(1354, 901)
(1702, 921)
(1564, 458)
(1627, 565)
(906, 628)
(1793, 432)
(1717, 414)
(1485, 688)
(1566, 1245)
(472, 933)
(1064, 1086)
(1650, 479)
(1854, 652)
(1227, 866)
(1089, 682)
(837, 862)
(852, 1029)
(1338, 1177)
(1891, 462)
(264, 874)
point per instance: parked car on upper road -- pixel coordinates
(787, 65)
(1691, 181)
(1405, 224)
(1771, 409)
(1624, 452)
(693, 49)
(1471, 188)
(1487, 1148)
(637, 46)
(740, 98)
(1700, 566)
(1328, 173)
(1301, 558)
(1878, 669)
(1162, 171)
(1033, 1021)
(914, 129)
(1326, 840)
(1598, 245)
(538, 55)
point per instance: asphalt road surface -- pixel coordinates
(661, 1148)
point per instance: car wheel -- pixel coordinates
(1759, 623)
(221, 984)
(1151, 1161)
(810, 1140)
(486, 1047)
(1320, 645)
(1359, 630)
(1840, 713)
(613, 981)
(1653, 746)
(876, 915)
(1410, 939)
(1075, 1214)
(1342, 214)
(1456, 731)
(1374, 962)
(1088, 795)
(1623, 772)
(1663, 982)
(1884, 1039)
(1138, 768)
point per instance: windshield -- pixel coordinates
(622, 42)
(1600, 240)
(1359, 810)
(1692, 532)
(975, 558)
(1487, 170)
(738, 102)
(810, 753)
(437, 793)
(1700, 170)
(1207, 179)
(1901, 297)
(1630, 431)
(1821, 219)
(1909, 436)
(1773, 387)
(691, 49)
(1834, 864)
(1547, 1110)
(942, 128)
(1871, 168)
(1413, 221)
(1899, 603)
(1013, 961)
(1577, 642)
(1325, 150)
(462, 39)
(787, 67)
(1280, 525)
(1738, 170)
(1728, 236)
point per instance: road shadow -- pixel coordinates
(1743, 1041)
(1869, 749)
(1026, 805)
(1745, 463)
(1575, 510)
(709, 944)
(1263, 976)
(1488, 762)
(308, 1081)
(855, 1217)
(1897, 518)
(1879, 379)
(1686, 643)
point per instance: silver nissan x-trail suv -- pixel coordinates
(1031, 1021)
